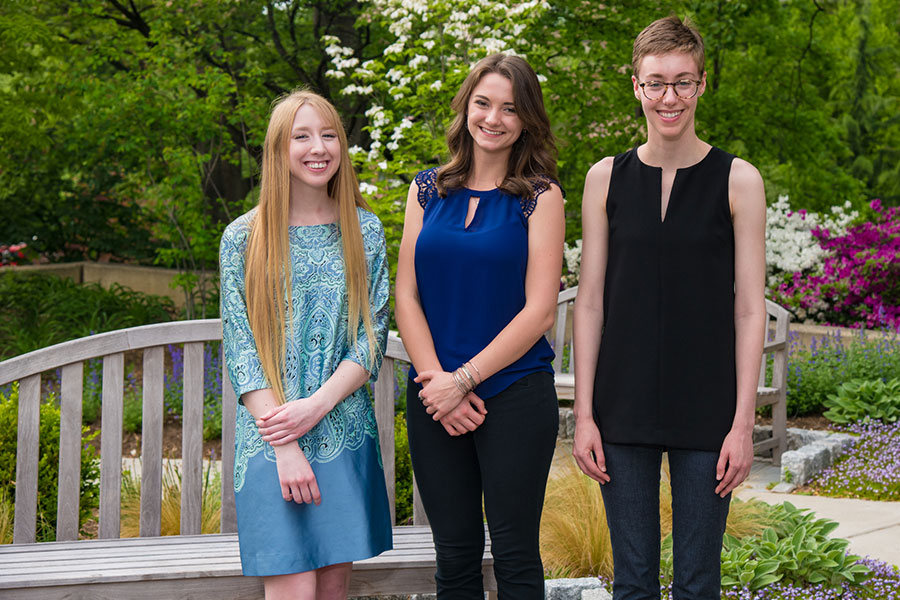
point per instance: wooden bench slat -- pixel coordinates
(27, 451)
(384, 417)
(111, 445)
(192, 439)
(68, 496)
(151, 441)
(229, 412)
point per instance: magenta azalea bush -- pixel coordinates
(859, 283)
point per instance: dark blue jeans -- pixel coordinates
(631, 499)
(507, 459)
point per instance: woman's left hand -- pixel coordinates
(291, 420)
(467, 416)
(439, 394)
(735, 460)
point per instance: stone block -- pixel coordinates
(566, 429)
(582, 588)
(799, 466)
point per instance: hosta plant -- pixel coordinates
(861, 399)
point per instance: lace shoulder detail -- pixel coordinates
(539, 185)
(427, 182)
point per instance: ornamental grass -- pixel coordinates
(574, 536)
(170, 517)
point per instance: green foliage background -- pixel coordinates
(48, 463)
(132, 131)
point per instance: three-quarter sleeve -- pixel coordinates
(379, 298)
(241, 357)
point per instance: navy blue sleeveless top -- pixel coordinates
(471, 280)
(666, 370)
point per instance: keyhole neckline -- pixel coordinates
(687, 168)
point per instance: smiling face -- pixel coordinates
(670, 116)
(492, 119)
(314, 149)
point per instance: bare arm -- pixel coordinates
(748, 207)
(587, 447)
(546, 235)
(295, 475)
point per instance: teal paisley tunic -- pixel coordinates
(352, 522)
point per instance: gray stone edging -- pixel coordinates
(566, 424)
(809, 453)
(582, 588)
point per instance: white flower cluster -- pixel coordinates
(367, 189)
(572, 255)
(790, 245)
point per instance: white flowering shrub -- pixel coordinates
(790, 245)
(430, 47)
(572, 257)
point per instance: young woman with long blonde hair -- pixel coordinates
(304, 310)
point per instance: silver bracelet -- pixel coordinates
(469, 376)
(474, 366)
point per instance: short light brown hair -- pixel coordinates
(667, 35)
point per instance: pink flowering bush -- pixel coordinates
(13, 254)
(859, 283)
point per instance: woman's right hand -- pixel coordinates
(439, 393)
(588, 451)
(298, 482)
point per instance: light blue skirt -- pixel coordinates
(352, 522)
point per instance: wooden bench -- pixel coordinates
(771, 388)
(189, 565)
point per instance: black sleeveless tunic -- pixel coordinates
(666, 369)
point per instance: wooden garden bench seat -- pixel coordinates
(771, 389)
(174, 567)
(199, 567)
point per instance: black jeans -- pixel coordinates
(507, 458)
(631, 499)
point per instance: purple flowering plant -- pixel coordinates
(871, 470)
(819, 370)
(883, 583)
(859, 282)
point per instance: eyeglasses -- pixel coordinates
(684, 89)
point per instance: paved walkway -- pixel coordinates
(872, 528)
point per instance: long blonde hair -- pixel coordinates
(267, 275)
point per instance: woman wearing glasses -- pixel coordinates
(669, 325)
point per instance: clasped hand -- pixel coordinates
(291, 420)
(458, 413)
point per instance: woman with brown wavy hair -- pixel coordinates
(304, 312)
(477, 282)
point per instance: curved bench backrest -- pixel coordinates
(151, 340)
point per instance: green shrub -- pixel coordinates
(48, 463)
(815, 372)
(862, 399)
(795, 550)
(38, 310)
(403, 486)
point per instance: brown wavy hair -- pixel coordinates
(267, 276)
(533, 155)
